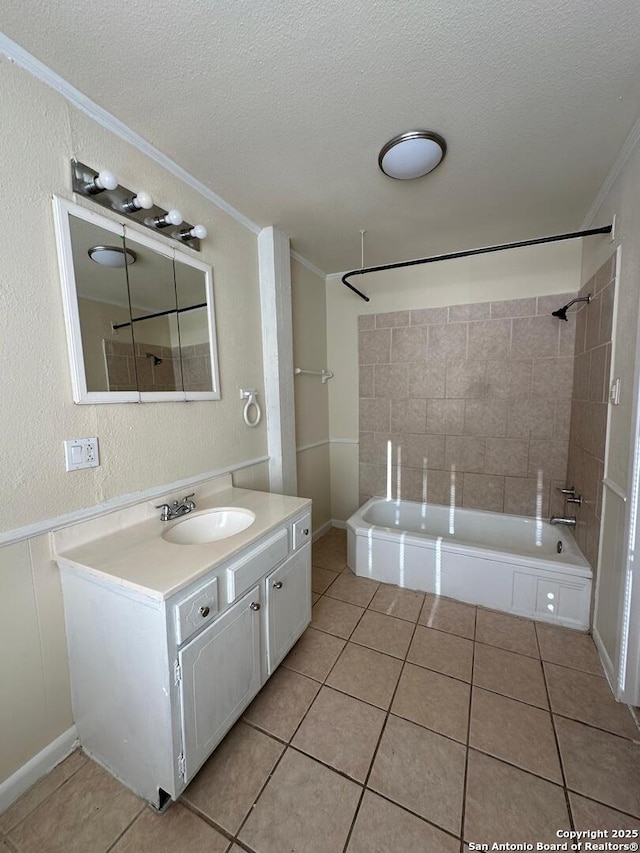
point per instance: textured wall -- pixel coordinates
(587, 440)
(473, 401)
(309, 310)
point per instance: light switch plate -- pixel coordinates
(81, 453)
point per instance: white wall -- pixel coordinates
(623, 201)
(513, 274)
(141, 445)
(308, 297)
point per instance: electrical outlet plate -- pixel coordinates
(81, 453)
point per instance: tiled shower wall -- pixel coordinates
(126, 372)
(589, 408)
(474, 401)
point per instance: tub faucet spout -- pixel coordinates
(569, 522)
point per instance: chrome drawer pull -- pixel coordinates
(254, 605)
(277, 585)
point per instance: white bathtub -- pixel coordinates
(524, 566)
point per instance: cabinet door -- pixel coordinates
(288, 604)
(220, 674)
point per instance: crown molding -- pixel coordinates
(311, 267)
(625, 152)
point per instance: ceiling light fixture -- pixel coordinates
(112, 256)
(412, 155)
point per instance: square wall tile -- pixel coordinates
(483, 491)
(507, 456)
(445, 417)
(489, 339)
(429, 316)
(448, 341)
(465, 453)
(375, 415)
(535, 337)
(365, 386)
(409, 344)
(426, 380)
(531, 418)
(549, 458)
(526, 496)
(485, 418)
(552, 377)
(408, 416)
(374, 347)
(509, 378)
(392, 319)
(471, 311)
(514, 308)
(466, 379)
(390, 380)
(366, 321)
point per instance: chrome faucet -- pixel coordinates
(175, 510)
(569, 522)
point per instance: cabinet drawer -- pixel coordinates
(196, 610)
(247, 571)
(300, 532)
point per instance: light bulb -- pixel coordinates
(139, 202)
(143, 201)
(106, 180)
(198, 231)
(173, 217)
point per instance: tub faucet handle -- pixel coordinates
(570, 491)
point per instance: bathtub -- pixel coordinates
(519, 565)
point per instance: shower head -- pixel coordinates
(561, 313)
(155, 358)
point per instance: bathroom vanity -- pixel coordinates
(168, 643)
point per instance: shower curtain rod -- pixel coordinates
(606, 229)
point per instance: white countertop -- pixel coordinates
(138, 558)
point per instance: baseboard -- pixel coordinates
(37, 767)
(607, 665)
(321, 530)
(341, 525)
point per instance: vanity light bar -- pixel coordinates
(103, 189)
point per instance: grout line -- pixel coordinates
(127, 828)
(555, 737)
(208, 820)
(380, 736)
(466, 753)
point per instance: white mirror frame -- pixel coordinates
(62, 209)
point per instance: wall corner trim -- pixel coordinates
(625, 152)
(37, 767)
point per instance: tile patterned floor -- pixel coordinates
(399, 722)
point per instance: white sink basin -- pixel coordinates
(209, 526)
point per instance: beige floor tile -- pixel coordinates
(588, 698)
(87, 813)
(504, 803)
(507, 632)
(305, 806)
(384, 633)
(517, 733)
(422, 771)
(568, 648)
(282, 703)
(366, 674)
(382, 827)
(442, 652)
(4, 848)
(601, 766)
(446, 615)
(314, 654)
(177, 831)
(341, 731)
(41, 790)
(398, 602)
(315, 596)
(321, 579)
(516, 676)
(590, 815)
(336, 617)
(330, 552)
(433, 700)
(228, 784)
(355, 590)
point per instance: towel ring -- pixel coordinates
(251, 396)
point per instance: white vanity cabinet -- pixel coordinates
(158, 681)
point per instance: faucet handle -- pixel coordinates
(187, 497)
(570, 491)
(166, 512)
(188, 502)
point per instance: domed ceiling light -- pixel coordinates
(412, 154)
(112, 256)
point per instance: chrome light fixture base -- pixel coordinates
(119, 200)
(412, 155)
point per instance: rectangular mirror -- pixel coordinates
(139, 314)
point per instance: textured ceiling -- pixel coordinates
(281, 107)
